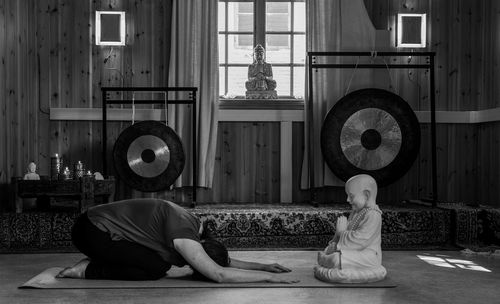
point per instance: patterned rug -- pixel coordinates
(265, 227)
(465, 223)
(490, 234)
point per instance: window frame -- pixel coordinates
(259, 37)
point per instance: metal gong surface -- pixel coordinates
(370, 139)
(371, 131)
(148, 156)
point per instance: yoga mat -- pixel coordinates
(181, 278)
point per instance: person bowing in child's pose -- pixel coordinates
(354, 254)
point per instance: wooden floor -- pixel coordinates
(422, 277)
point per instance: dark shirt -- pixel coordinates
(153, 223)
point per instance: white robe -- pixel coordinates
(361, 246)
(361, 254)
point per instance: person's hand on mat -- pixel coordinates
(341, 224)
(282, 279)
(275, 268)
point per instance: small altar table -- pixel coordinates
(83, 190)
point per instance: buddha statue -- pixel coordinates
(31, 175)
(260, 83)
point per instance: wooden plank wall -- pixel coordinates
(464, 35)
(489, 133)
(468, 81)
(19, 143)
(49, 59)
(247, 163)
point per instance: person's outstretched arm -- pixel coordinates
(195, 255)
(258, 266)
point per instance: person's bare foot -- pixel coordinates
(77, 271)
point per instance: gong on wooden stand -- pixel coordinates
(371, 140)
(370, 131)
(148, 155)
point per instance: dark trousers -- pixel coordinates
(115, 260)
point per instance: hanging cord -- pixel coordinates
(352, 76)
(391, 85)
(133, 107)
(166, 106)
(374, 57)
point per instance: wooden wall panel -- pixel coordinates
(378, 10)
(488, 177)
(49, 59)
(248, 163)
(489, 57)
(18, 87)
(45, 67)
(4, 142)
(458, 39)
(457, 162)
(13, 164)
(464, 35)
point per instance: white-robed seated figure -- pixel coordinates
(354, 255)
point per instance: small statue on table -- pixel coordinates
(260, 83)
(31, 175)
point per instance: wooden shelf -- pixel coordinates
(84, 190)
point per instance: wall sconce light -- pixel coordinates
(411, 31)
(109, 28)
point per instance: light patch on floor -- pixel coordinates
(441, 261)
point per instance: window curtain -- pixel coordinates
(332, 25)
(194, 63)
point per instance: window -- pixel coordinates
(279, 26)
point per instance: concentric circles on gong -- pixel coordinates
(148, 156)
(370, 139)
(370, 131)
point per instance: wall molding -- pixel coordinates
(93, 114)
(461, 117)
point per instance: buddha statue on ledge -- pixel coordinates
(31, 175)
(260, 83)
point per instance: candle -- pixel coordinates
(66, 174)
(56, 164)
(78, 169)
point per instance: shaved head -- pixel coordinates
(362, 183)
(365, 181)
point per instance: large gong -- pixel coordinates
(148, 156)
(370, 131)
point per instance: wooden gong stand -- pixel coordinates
(311, 59)
(190, 101)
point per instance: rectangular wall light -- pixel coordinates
(109, 28)
(411, 31)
